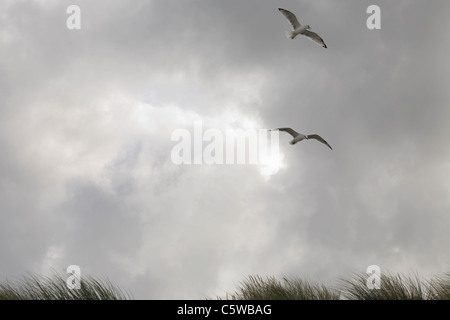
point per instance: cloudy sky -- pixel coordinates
(86, 175)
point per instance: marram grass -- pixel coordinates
(440, 287)
(270, 288)
(33, 287)
(392, 287)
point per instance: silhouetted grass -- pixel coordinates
(392, 287)
(258, 288)
(55, 288)
(440, 287)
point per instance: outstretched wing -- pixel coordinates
(291, 17)
(315, 37)
(319, 138)
(292, 132)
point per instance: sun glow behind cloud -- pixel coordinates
(160, 121)
(271, 164)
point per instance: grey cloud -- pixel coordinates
(88, 115)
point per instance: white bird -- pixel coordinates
(299, 137)
(299, 29)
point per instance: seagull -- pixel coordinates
(299, 137)
(299, 29)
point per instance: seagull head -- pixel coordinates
(308, 27)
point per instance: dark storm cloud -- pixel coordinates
(88, 115)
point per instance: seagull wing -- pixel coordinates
(315, 37)
(319, 138)
(292, 132)
(291, 17)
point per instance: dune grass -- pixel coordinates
(440, 287)
(292, 288)
(33, 287)
(392, 287)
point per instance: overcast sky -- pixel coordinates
(86, 175)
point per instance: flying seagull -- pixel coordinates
(299, 137)
(299, 29)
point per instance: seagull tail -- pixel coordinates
(290, 34)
